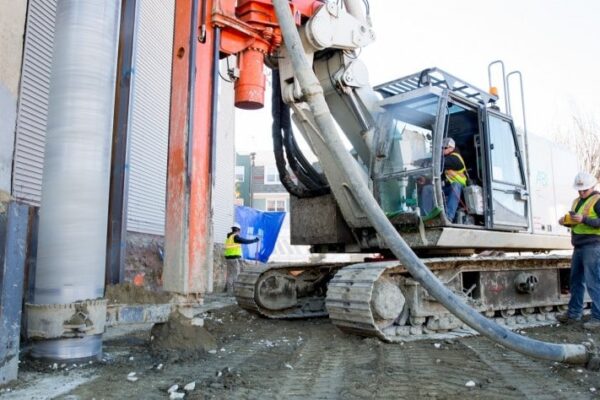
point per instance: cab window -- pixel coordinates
(505, 161)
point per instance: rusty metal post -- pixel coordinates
(188, 238)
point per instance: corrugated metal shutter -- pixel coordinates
(149, 116)
(33, 102)
(224, 190)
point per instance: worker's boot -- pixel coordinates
(565, 319)
(592, 325)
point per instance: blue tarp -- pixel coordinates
(265, 225)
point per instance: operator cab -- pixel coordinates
(421, 110)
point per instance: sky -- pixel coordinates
(555, 44)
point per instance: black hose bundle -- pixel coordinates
(312, 183)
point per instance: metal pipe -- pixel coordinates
(504, 84)
(73, 213)
(214, 103)
(525, 139)
(192, 87)
(313, 94)
(119, 182)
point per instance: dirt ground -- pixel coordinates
(257, 358)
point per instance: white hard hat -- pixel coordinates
(448, 142)
(584, 181)
(236, 226)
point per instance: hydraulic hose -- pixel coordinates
(305, 172)
(308, 178)
(299, 163)
(280, 122)
(313, 95)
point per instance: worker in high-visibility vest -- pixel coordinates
(455, 173)
(584, 221)
(233, 254)
(455, 179)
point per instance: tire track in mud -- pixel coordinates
(314, 366)
(312, 359)
(257, 365)
(524, 373)
(422, 370)
(249, 367)
(321, 366)
(328, 364)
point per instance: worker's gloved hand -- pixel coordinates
(256, 240)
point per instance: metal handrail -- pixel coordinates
(438, 78)
(504, 84)
(525, 137)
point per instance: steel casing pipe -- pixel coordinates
(73, 213)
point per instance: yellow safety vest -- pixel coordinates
(232, 249)
(459, 176)
(587, 210)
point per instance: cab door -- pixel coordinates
(507, 193)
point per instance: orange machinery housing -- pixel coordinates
(248, 29)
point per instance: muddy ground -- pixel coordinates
(257, 358)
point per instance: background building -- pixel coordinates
(243, 172)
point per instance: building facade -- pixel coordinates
(243, 172)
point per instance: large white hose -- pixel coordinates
(313, 94)
(73, 213)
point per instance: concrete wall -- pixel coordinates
(143, 259)
(12, 29)
(219, 268)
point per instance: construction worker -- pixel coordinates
(233, 254)
(584, 221)
(455, 174)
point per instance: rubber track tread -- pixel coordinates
(349, 293)
(349, 309)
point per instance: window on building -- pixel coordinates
(275, 205)
(240, 172)
(271, 175)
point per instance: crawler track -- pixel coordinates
(285, 291)
(516, 291)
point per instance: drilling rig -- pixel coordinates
(396, 131)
